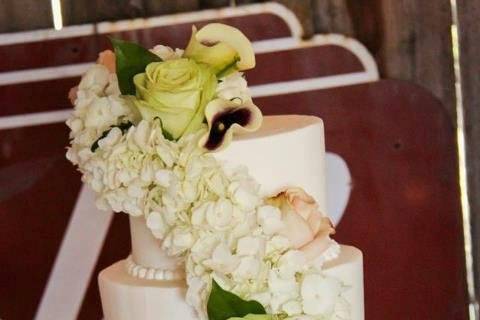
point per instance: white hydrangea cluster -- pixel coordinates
(234, 86)
(98, 106)
(212, 217)
(240, 247)
(167, 53)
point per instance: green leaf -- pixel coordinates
(223, 305)
(123, 127)
(165, 133)
(131, 59)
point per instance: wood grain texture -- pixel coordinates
(468, 14)
(410, 39)
(303, 11)
(85, 11)
(416, 46)
(24, 15)
(214, 3)
(332, 16)
(159, 7)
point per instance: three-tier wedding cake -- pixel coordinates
(227, 207)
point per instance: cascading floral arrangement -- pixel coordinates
(143, 130)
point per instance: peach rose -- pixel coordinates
(72, 95)
(304, 225)
(107, 58)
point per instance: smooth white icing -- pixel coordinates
(146, 250)
(286, 151)
(125, 297)
(348, 267)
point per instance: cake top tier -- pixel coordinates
(287, 151)
(281, 124)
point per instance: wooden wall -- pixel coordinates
(468, 16)
(410, 39)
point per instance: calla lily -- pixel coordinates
(224, 117)
(224, 48)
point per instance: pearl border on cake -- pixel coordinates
(138, 271)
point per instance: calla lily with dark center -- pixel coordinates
(225, 117)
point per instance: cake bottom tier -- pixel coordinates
(125, 297)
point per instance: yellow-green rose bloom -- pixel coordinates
(253, 317)
(176, 91)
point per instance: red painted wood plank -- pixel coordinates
(288, 65)
(85, 49)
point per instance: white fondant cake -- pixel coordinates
(286, 151)
(228, 215)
